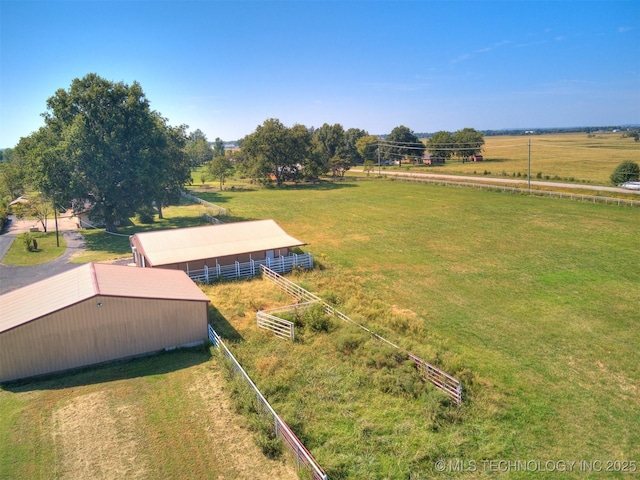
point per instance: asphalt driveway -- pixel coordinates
(12, 277)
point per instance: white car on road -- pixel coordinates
(631, 185)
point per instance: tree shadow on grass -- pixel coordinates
(141, 366)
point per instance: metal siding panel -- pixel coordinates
(86, 334)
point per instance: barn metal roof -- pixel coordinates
(68, 288)
(165, 247)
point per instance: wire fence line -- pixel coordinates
(439, 378)
(518, 190)
(304, 459)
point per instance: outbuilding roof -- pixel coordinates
(165, 247)
(73, 286)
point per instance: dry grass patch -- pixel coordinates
(97, 439)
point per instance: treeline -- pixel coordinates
(547, 131)
(104, 152)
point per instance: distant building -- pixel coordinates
(429, 159)
(476, 158)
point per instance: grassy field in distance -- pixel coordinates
(568, 157)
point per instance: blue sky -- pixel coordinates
(226, 66)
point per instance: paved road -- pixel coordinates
(12, 277)
(506, 181)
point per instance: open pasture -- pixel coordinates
(568, 157)
(530, 301)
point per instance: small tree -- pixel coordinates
(625, 172)
(27, 240)
(368, 166)
(40, 208)
(219, 168)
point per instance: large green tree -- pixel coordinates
(198, 149)
(170, 168)
(367, 147)
(441, 145)
(402, 143)
(274, 149)
(101, 146)
(468, 142)
(351, 137)
(218, 148)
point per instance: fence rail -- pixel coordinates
(519, 190)
(193, 198)
(439, 378)
(280, 327)
(251, 268)
(304, 459)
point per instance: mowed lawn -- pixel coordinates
(164, 417)
(536, 299)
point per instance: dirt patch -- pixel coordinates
(236, 452)
(96, 441)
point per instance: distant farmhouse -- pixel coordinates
(97, 313)
(229, 250)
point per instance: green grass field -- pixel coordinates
(572, 157)
(531, 301)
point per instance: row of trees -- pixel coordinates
(103, 150)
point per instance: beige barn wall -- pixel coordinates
(85, 333)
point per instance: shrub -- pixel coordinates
(316, 318)
(349, 342)
(27, 239)
(539, 175)
(145, 215)
(625, 172)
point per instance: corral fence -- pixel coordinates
(620, 202)
(439, 378)
(281, 264)
(304, 459)
(267, 320)
(193, 198)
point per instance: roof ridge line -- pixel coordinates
(94, 278)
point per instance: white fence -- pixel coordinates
(442, 380)
(280, 327)
(193, 198)
(282, 264)
(304, 459)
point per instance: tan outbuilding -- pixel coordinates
(96, 313)
(224, 250)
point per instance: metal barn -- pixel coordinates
(96, 313)
(217, 247)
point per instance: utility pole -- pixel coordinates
(529, 173)
(55, 215)
(378, 158)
